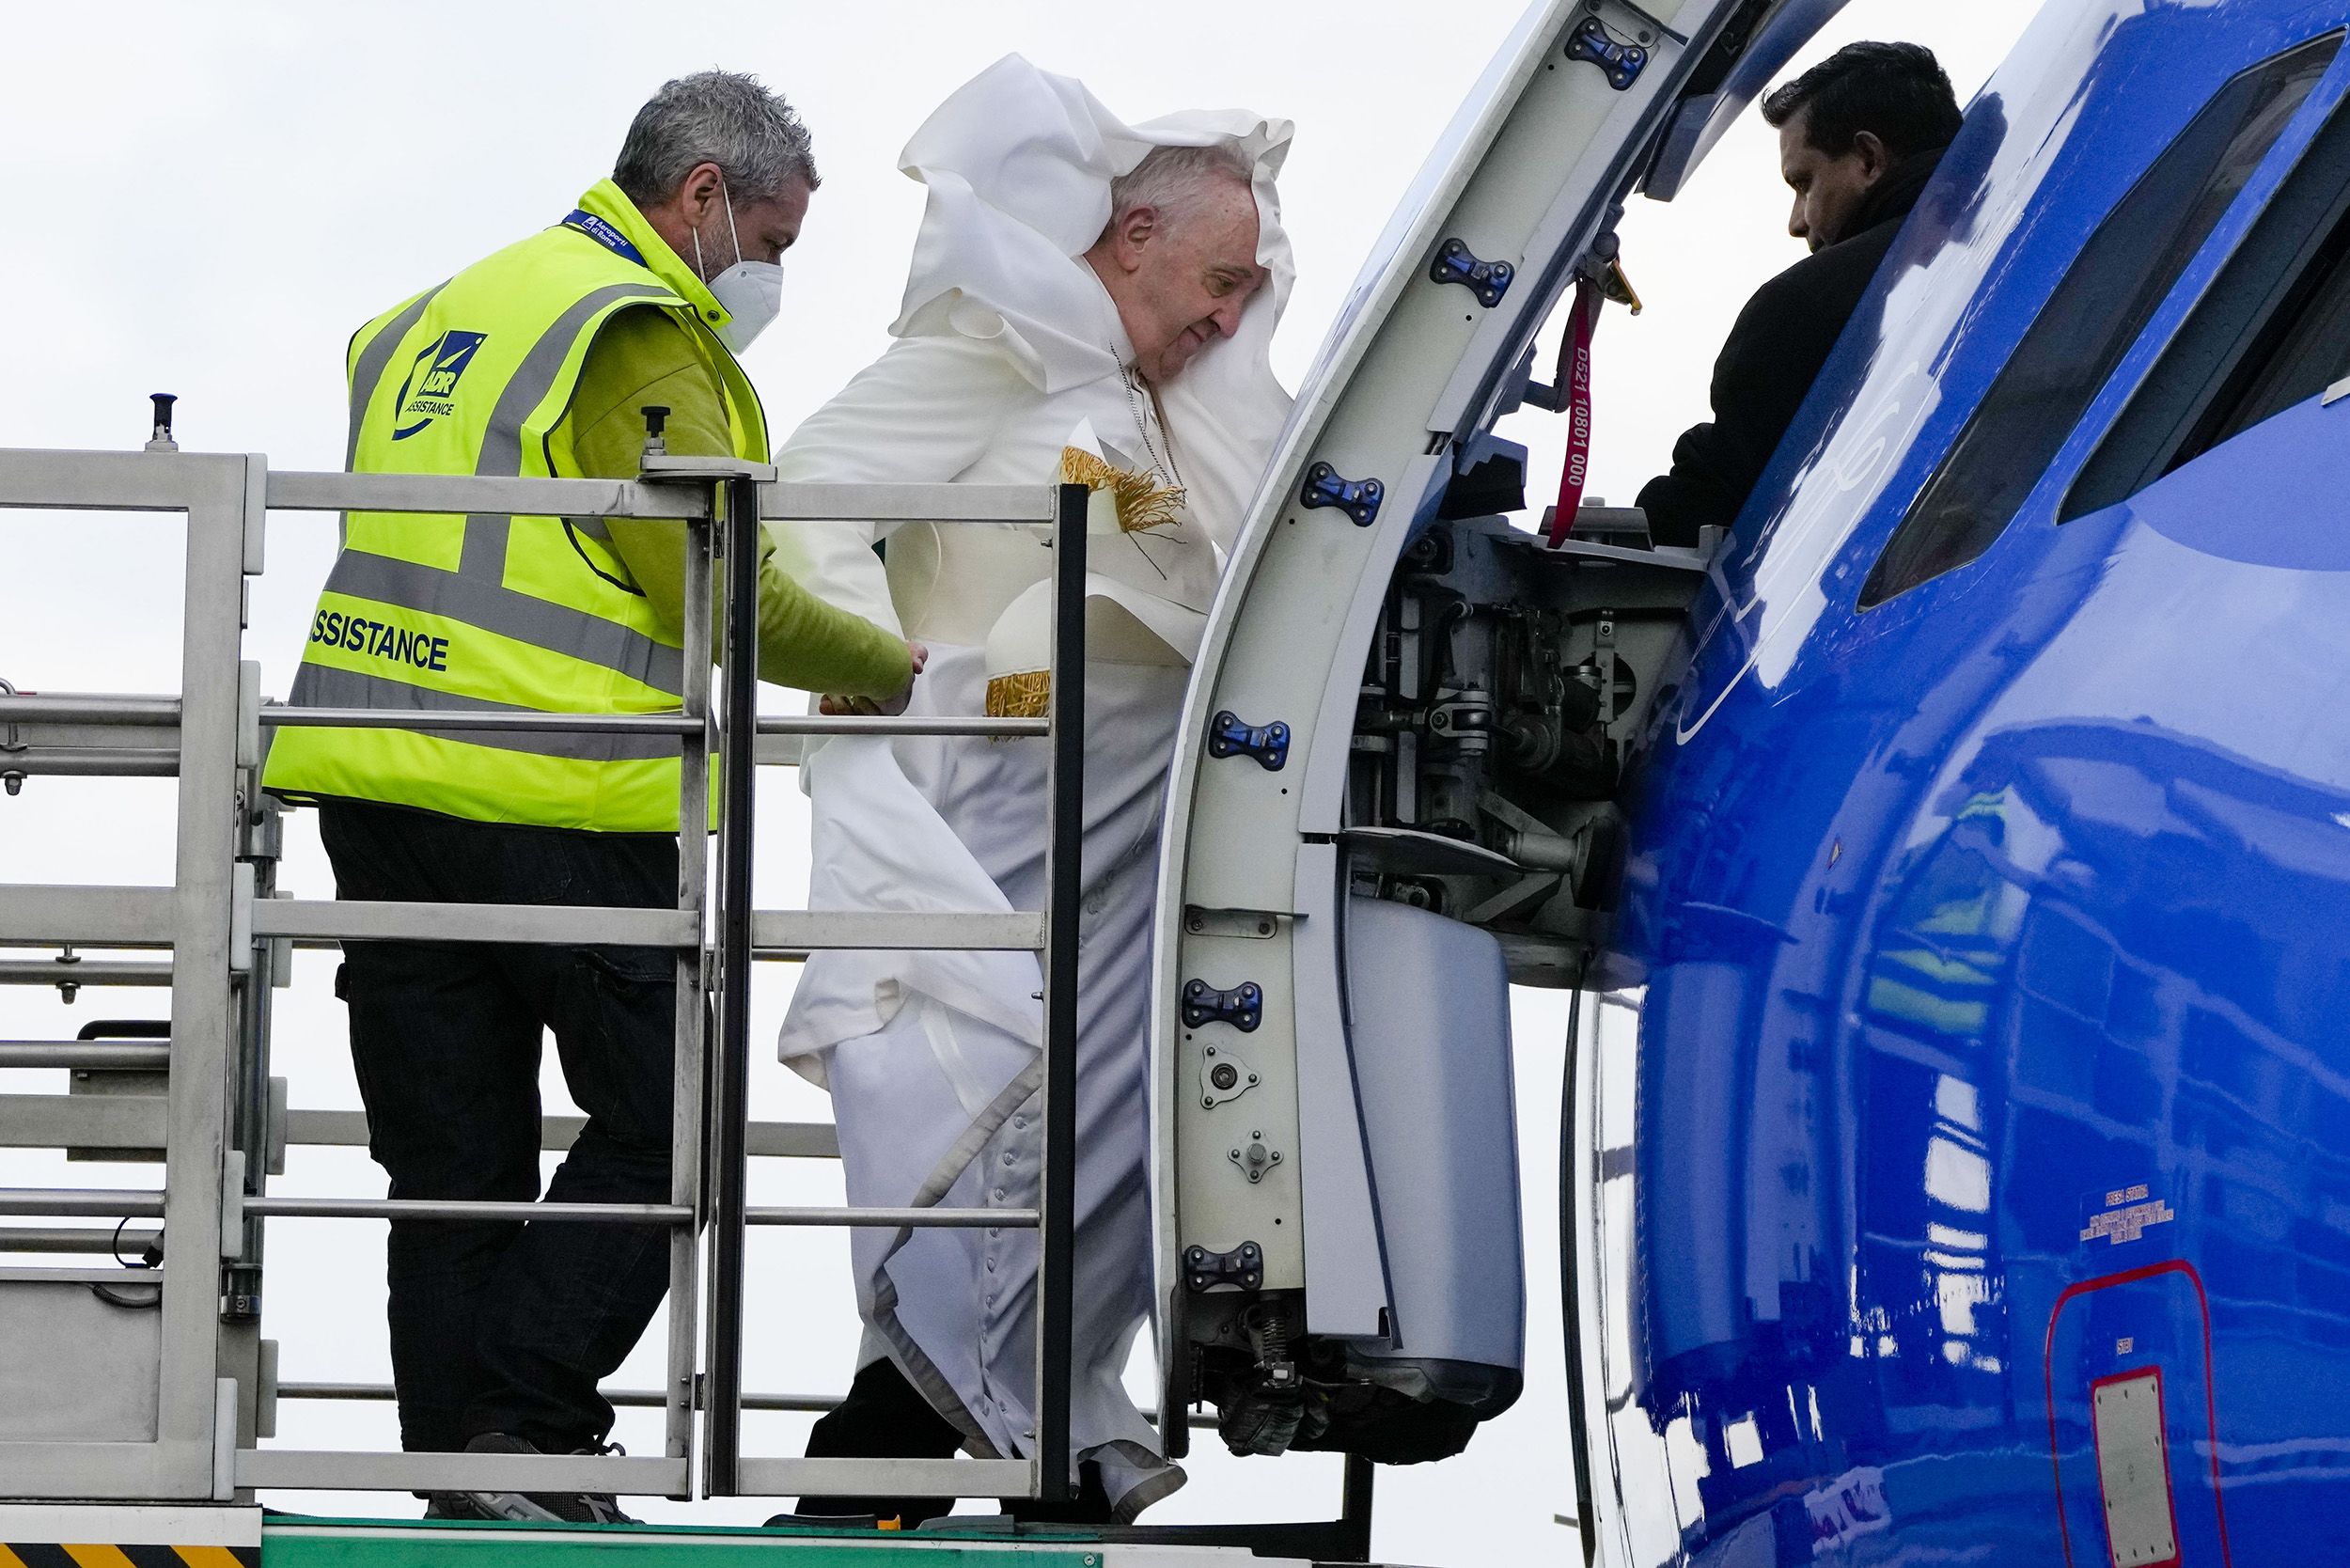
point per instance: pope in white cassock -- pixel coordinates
(1092, 301)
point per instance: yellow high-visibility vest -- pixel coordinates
(494, 612)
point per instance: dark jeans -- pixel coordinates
(885, 1416)
(504, 1327)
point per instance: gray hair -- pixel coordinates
(1173, 178)
(725, 117)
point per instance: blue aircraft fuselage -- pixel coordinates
(1990, 875)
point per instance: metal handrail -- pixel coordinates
(83, 1202)
(88, 708)
(626, 1399)
(151, 1056)
(164, 711)
(723, 513)
(121, 1242)
(81, 972)
(281, 1207)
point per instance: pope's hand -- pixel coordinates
(837, 706)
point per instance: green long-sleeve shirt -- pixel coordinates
(640, 357)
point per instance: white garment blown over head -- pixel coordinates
(1018, 163)
(1011, 364)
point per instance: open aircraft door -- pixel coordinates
(1392, 789)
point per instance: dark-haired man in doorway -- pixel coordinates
(1859, 134)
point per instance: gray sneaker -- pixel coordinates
(454, 1505)
(569, 1508)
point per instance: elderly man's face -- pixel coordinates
(1181, 280)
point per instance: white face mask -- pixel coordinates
(751, 291)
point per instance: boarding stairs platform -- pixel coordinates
(101, 1536)
(134, 1438)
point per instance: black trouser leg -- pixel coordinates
(569, 1301)
(447, 1066)
(884, 1417)
(509, 1328)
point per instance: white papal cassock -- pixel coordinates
(1009, 351)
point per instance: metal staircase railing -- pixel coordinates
(180, 1419)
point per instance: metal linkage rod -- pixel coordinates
(293, 491)
(94, 761)
(1066, 882)
(730, 1102)
(900, 724)
(622, 724)
(128, 1243)
(783, 1140)
(88, 708)
(690, 1026)
(360, 920)
(896, 1219)
(876, 930)
(628, 1399)
(908, 502)
(97, 1203)
(146, 1056)
(82, 972)
(498, 718)
(1572, 1158)
(435, 1208)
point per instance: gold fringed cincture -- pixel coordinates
(1143, 503)
(1021, 696)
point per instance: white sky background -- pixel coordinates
(210, 199)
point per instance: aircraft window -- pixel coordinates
(2096, 311)
(2272, 331)
(2313, 354)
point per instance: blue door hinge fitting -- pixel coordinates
(1243, 1005)
(1623, 62)
(1269, 743)
(1487, 280)
(1242, 1267)
(1358, 499)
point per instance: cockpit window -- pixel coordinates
(2311, 352)
(2095, 313)
(2273, 330)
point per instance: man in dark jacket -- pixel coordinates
(1859, 136)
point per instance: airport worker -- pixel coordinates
(1094, 301)
(1859, 134)
(537, 361)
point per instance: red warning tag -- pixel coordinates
(1574, 380)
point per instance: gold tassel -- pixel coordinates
(1143, 503)
(1021, 696)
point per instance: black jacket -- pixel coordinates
(1769, 361)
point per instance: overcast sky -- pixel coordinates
(211, 198)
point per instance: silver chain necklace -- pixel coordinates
(1162, 462)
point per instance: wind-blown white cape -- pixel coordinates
(1008, 349)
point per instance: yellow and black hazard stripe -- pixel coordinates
(40, 1554)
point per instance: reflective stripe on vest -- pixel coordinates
(441, 613)
(348, 688)
(475, 592)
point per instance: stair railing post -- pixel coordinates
(738, 736)
(1065, 880)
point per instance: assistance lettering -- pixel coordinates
(379, 639)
